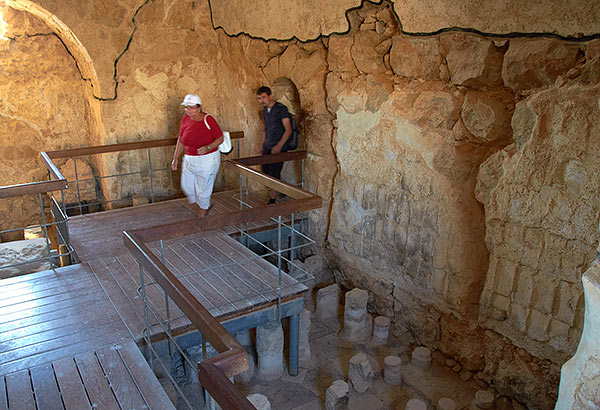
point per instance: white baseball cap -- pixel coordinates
(191, 99)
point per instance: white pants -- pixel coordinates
(198, 173)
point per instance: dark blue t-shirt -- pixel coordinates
(274, 128)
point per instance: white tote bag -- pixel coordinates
(225, 147)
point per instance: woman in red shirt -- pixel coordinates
(200, 137)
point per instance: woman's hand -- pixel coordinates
(174, 164)
(203, 150)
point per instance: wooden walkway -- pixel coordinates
(48, 315)
(100, 234)
(226, 277)
(72, 333)
(111, 378)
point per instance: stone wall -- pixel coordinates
(43, 106)
(541, 209)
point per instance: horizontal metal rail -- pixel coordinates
(126, 146)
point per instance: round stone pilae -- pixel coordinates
(382, 321)
(484, 399)
(392, 361)
(446, 404)
(416, 404)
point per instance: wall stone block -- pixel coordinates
(486, 118)
(518, 316)
(416, 57)
(538, 325)
(543, 293)
(472, 60)
(364, 52)
(524, 288)
(530, 63)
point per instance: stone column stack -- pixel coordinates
(328, 301)
(484, 399)
(381, 330)
(392, 370)
(336, 397)
(416, 404)
(305, 358)
(269, 346)
(421, 358)
(259, 401)
(446, 404)
(357, 322)
(360, 373)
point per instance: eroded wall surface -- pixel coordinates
(457, 169)
(307, 19)
(43, 106)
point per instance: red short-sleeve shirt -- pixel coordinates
(194, 134)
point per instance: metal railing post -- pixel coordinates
(279, 268)
(292, 246)
(146, 321)
(242, 236)
(302, 174)
(77, 186)
(45, 229)
(162, 259)
(150, 174)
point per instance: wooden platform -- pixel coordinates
(72, 333)
(112, 377)
(98, 235)
(226, 277)
(49, 315)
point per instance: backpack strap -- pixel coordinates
(206, 123)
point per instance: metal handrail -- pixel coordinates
(73, 153)
(38, 188)
(214, 373)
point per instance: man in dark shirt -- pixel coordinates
(278, 128)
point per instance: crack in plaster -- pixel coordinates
(116, 81)
(514, 34)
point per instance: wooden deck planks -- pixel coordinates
(47, 395)
(148, 385)
(48, 324)
(123, 386)
(70, 384)
(20, 391)
(113, 377)
(95, 383)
